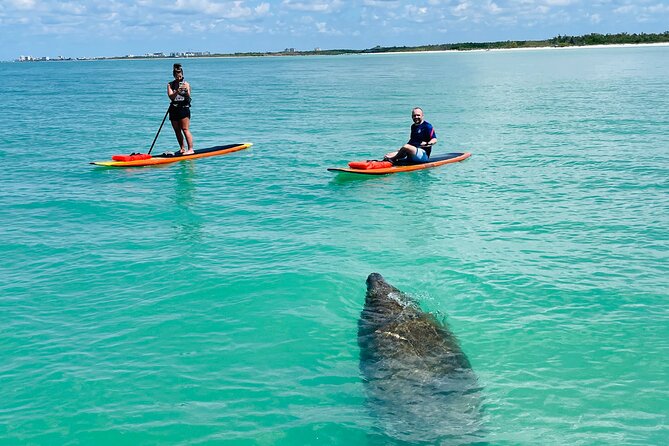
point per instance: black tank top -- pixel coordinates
(180, 100)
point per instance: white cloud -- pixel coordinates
(559, 2)
(416, 13)
(660, 8)
(201, 27)
(208, 7)
(461, 8)
(305, 19)
(262, 9)
(228, 10)
(493, 8)
(71, 8)
(22, 4)
(236, 10)
(595, 18)
(381, 3)
(323, 28)
(242, 29)
(624, 9)
(313, 6)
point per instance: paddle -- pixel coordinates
(159, 129)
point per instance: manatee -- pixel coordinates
(419, 383)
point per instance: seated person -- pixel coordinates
(422, 138)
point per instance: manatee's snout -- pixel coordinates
(374, 280)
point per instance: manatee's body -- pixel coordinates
(419, 383)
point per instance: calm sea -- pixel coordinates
(216, 301)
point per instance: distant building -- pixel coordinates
(190, 54)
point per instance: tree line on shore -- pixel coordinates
(558, 41)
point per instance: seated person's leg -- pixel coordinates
(419, 156)
(404, 151)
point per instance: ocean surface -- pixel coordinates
(216, 301)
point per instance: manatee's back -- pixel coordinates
(393, 326)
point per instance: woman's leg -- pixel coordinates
(185, 128)
(176, 125)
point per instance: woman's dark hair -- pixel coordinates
(176, 68)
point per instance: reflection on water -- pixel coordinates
(188, 224)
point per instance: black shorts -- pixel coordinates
(179, 113)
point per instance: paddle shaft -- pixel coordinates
(159, 129)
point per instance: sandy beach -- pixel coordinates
(539, 48)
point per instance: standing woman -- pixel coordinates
(179, 93)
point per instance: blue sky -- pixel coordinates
(78, 28)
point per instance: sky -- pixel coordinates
(96, 28)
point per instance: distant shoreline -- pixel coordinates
(623, 40)
(358, 53)
(535, 48)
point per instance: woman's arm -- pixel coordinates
(171, 93)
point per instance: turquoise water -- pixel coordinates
(216, 301)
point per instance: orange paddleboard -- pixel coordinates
(166, 158)
(436, 160)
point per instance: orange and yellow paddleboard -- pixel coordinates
(436, 160)
(165, 158)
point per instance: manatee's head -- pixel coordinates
(382, 294)
(382, 304)
(377, 285)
